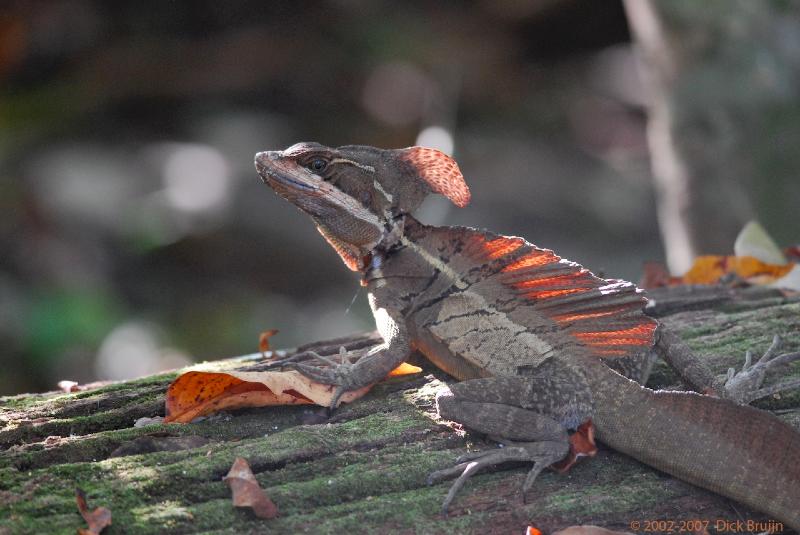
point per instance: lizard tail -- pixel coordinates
(740, 452)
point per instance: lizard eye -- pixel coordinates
(317, 164)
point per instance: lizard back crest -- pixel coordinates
(605, 317)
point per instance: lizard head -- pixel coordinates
(356, 194)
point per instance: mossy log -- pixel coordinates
(362, 470)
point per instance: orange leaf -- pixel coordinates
(709, 269)
(404, 369)
(263, 340)
(96, 520)
(581, 444)
(198, 393)
(247, 492)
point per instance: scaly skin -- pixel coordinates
(737, 451)
(538, 341)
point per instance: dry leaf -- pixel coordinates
(790, 281)
(753, 240)
(581, 444)
(196, 393)
(96, 520)
(758, 260)
(709, 270)
(246, 491)
(263, 340)
(404, 369)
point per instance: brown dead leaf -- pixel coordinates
(581, 444)
(589, 530)
(246, 491)
(263, 340)
(196, 393)
(96, 520)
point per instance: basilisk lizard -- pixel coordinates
(541, 345)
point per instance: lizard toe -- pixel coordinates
(541, 454)
(745, 386)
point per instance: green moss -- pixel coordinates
(360, 478)
(365, 469)
(643, 491)
(725, 338)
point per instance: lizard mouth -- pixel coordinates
(281, 173)
(318, 198)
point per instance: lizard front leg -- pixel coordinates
(370, 368)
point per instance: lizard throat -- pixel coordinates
(393, 233)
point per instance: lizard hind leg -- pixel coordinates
(526, 435)
(742, 387)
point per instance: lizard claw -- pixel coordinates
(464, 471)
(337, 395)
(541, 454)
(336, 373)
(745, 386)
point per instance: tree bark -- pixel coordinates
(364, 469)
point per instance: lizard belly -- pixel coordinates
(465, 331)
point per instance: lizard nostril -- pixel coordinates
(267, 155)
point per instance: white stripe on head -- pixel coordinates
(367, 168)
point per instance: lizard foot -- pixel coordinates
(744, 386)
(541, 454)
(337, 373)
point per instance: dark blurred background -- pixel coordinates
(136, 236)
